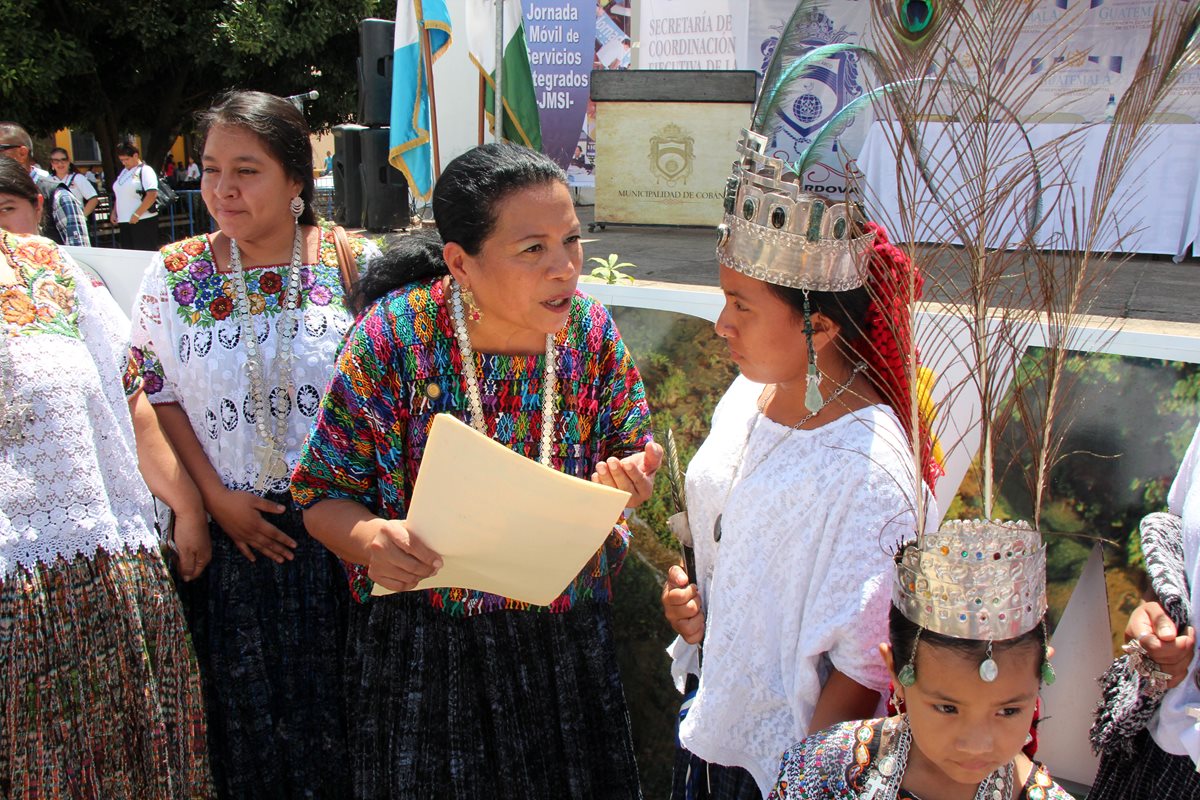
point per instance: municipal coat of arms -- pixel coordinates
(671, 154)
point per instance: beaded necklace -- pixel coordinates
(549, 379)
(269, 452)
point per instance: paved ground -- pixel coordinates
(1143, 287)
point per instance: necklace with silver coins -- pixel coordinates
(888, 774)
(269, 452)
(549, 379)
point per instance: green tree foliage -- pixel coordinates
(146, 67)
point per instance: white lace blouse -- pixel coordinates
(68, 471)
(187, 349)
(801, 579)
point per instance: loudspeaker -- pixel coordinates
(385, 191)
(347, 177)
(375, 43)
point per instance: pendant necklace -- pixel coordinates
(735, 478)
(549, 378)
(269, 452)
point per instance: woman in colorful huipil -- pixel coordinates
(455, 693)
(235, 336)
(99, 691)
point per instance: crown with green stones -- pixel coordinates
(774, 232)
(973, 579)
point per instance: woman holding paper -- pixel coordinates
(455, 692)
(235, 335)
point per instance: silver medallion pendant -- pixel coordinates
(272, 466)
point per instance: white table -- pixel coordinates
(1158, 200)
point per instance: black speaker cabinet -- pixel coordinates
(347, 177)
(385, 191)
(375, 71)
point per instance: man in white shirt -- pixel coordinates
(81, 187)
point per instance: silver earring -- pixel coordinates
(296, 207)
(813, 400)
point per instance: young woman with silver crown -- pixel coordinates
(799, 489)
(967, 652)
(457, 693)
(234, 338)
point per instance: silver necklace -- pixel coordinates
(269, 452)
(549, 379)
(737, 478)
(888, 774)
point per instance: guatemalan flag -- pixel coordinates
(410, 144)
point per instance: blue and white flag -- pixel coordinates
(410, 144)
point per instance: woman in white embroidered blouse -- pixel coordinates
(93, 647)
(235, 335)
(795, 501)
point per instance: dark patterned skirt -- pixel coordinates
(99, 693)
(1150, 773)
(271, 643)
(507, 704)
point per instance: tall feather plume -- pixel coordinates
(992, 278)
(777, 77)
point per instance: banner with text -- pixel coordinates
(560, 35)
(692, 34)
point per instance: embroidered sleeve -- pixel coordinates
(791, 774)
(338, 461)
(150, 334)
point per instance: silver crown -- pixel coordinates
(974, 579)
(776, 233)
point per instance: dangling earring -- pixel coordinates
(897, 701)
(812, 395)
(1048, 674)
(474, 312)
(296, 207)
(908, 674)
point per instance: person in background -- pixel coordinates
(134, 193)
(99, 691)
(192, 176)
(328, 168)
(66, 174)
(65, 223)
(235, 334)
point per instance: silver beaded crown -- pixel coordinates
(776, 233)
(974, 579)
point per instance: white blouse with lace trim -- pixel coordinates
(801, 579)
(204, 368)
(71, 486)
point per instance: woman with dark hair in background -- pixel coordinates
(99, 691)
(134, 193)
(455, 693)
(235, 335)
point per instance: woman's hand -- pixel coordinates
(633, 474)
(399, 560)
(1156, 633)
(681, 606)
(240, 514)
(192, 545)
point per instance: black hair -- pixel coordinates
(466, 203)
(281, 128)
(127, 149)
(15, 180)
(902, 634)
(62, 150)
(848, 310)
